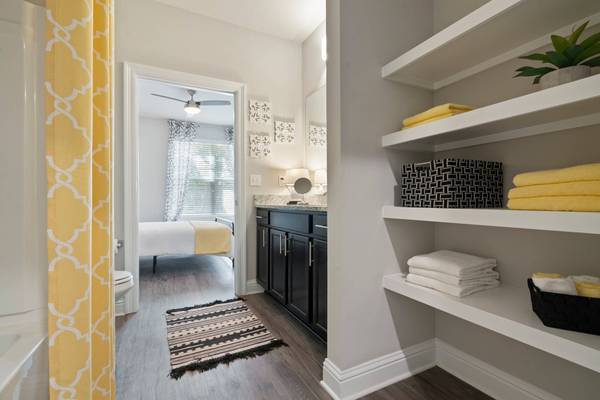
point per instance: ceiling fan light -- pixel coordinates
(191, 108)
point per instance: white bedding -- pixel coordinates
(162, 238)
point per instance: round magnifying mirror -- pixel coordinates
(302, 185)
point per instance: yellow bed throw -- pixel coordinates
(587, 172)
(436, 113)
(211, 237)
(556, 203)
(581, 188)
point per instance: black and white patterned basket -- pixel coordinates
(451, 183)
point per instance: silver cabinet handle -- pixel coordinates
(280, 244)
(285, 245)
(259, 217)
(320, 226)
(310, 255)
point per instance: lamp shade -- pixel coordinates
(291, 175)
(321, 177)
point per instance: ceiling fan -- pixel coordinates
(192, 106)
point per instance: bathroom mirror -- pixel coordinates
(302, 185)
(316, 130)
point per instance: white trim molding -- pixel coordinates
(356, 382)
(131, 74)
(253, 287)
(368, 377)
(485, 377)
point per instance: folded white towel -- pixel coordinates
(481, 277)
(457, 291)
(452, 263)
(556, 285)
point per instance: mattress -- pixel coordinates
(162, 238)
(173, 237)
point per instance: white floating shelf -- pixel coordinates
(573, 222)
(496, 32)
(507, 311)
(572, 105)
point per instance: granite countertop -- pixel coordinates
(278, 202)
(299, 207)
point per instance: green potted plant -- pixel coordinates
(568, 61)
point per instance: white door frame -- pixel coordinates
(131, 73)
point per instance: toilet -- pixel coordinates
(123, 282)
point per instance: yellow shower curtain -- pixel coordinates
(78, 96)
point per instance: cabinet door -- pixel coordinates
(319, 288)
(262, 256)
(299, 276)
(278, 282)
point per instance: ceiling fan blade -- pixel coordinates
(214, 103)
(167, 97)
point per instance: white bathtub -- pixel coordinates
(23, 356)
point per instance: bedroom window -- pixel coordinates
(210, 185)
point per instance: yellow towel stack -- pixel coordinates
(435, 113)
(568, 189)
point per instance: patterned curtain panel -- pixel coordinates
(229, 133)
(79, 167)
(181, 135)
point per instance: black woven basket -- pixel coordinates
(574, 313)
(451, 183)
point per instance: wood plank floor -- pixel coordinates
(292, 372)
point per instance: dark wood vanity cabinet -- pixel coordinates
(278, 265)
(319, 287)
(262, 256)
(292, 262)
(299, 276)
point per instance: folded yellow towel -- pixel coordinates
(546, 275)
(557, 203)
(588, 289)
(433, 119)
(587, 172)
(581, 188)
(437, 111)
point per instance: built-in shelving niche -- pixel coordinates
(516, 27)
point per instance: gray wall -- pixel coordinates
(364, 322)
(154, 134)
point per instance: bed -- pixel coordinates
(186, 238)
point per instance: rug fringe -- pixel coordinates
(212, 303)
(226, 359)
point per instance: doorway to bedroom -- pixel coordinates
(183, 214)
(186, 191)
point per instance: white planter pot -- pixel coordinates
(565, 75)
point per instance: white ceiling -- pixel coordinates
(157, 107)
(286, 19)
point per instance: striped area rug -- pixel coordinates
(204, 336)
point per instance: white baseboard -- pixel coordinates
(358, 381)
(253, 287)
(378, 373)
(485, 377)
